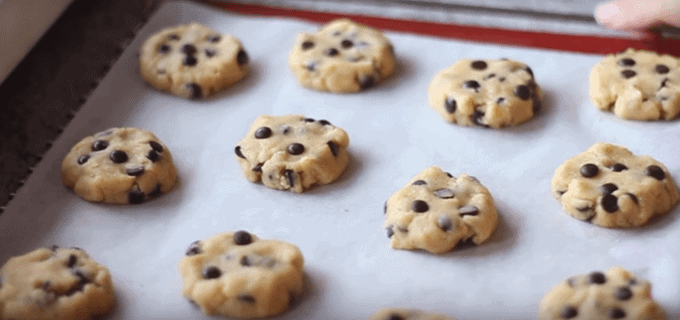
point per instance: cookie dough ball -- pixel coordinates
(435, 211)
(293, 152)
(406, 314)
(54, 284)
(486, 93)
(192, 61)
(637, 85)
(118, 166)
(236, 274)
(342, 57)
(615, 294)
(611, 187)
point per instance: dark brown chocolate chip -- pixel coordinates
(83, 159)
(477, 117)
(444, 223)
(479, 65)
(189, 61)
(395, 316)
(173, 37)
(450, 105)
(596, 277)
(655, 172)
(468, 211)
(628, 73)
(529, 71)
(618, 167)
(237, 150)
(449, 175)
(72, 260)
(194, 249)
(135, 171)
(501, 79)
(153, 155)
(290, 176)
(616, 313)
(610, 203)
(189, 49)
(135, 196)
(623, 293)
(307, 45)
(263, 133)
(390, 231)
(54, 247)
(164, 48)
(242, 238)
(589, 170)
(366, 82)
(246, 298)
(215, 38)
(346, 44)
(500, 100)
(195, 89)
(333, 147)
(245, 262)
(118, 156)
(608, 188)
(419, 206)
(536, 106)
(296, 148)
(632, 281)
(419, 183)
(211, 272)
(626, 62)
(471, 84)
(210, 53)
(568, 312)
(661, 69)
(100, 145)
(489, 76)
(444, 193)
(78, 286)
(331, 52)
(308, 120)
(258, 167)
(156, 146)
(523, 92)
(242, 57)
(324, 122)
(664, 82)
(632, 197)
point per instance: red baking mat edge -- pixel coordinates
(554, 41)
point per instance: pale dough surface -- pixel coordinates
(273, 157)
(255, 278)
(487, 93)
(455, 210)
(146, 172)
(619, 189)
(637, 85)
(342, 57)
(614, 294)
(192, 61)
(406, 314)
(55, 284)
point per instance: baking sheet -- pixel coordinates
(350, 268)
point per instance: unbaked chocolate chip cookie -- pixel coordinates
(609, 186)
(637, 85)
(192, 61)
(119, 165)
(293, 152)
(236, 274)
(615, 294)
(406, 314)
(487, 93)
(435, 211)
(54, 284)
(342, 57)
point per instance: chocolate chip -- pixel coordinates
(155, 192)
(608, 188)
(663, 84)
(135, 196)
(307, 45)
(308, 120)
(626, 62)
(419, 206)
(419, 183)
(390, 231)
(444, 223)
(242, 238)
(296, 148)
(153, 155)
(628, 73)
(632, 282)
(164, 48)
(468, 211)
(324, 122)
(83, 159)
(237, 150)
(523, 92)
(245, 261)
(258, 167)
(395, 316)
(536, 106)
(477, 117)
(618, 167)
(479, 65)
(118, 156)
(290, 176)
(173, 37)
(263, 133)
(333, 147)
(500, 100)
(242, 57)
(655, 172)
(196, 91)
(444, 193)
(215, 38)
(189, 61)
(135, 171)
(589, 170)
(346, 44)
(596, 277)
(471, 84)
(54, 247)
(189, 49)
(632, 197)
(529, 71)
(623, 293)
(450, 105)
(331, 52)
(78, 286)
(100, 145)
(311, 66)
(194, 249)
(366, 82)
(72, 260)
(449, 175)
(661, 69)
(210, 53)
(610, 203)
(568, 312)
(616, 313)
(211, 272)
(246, 298)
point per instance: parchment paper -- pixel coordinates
(351, 271)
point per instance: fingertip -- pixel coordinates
(607, 13)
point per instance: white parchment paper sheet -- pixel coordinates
(351, 269)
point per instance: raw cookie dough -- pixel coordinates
(293, 152)
(192, 61)
(119, 165)
(54, 284)
(435, 211)
(615, 294)
(637, 85)
(236, 274)
(342, 57)
(487, 93)
(610, 187)
(406, 314)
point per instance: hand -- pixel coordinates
(638, 16)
